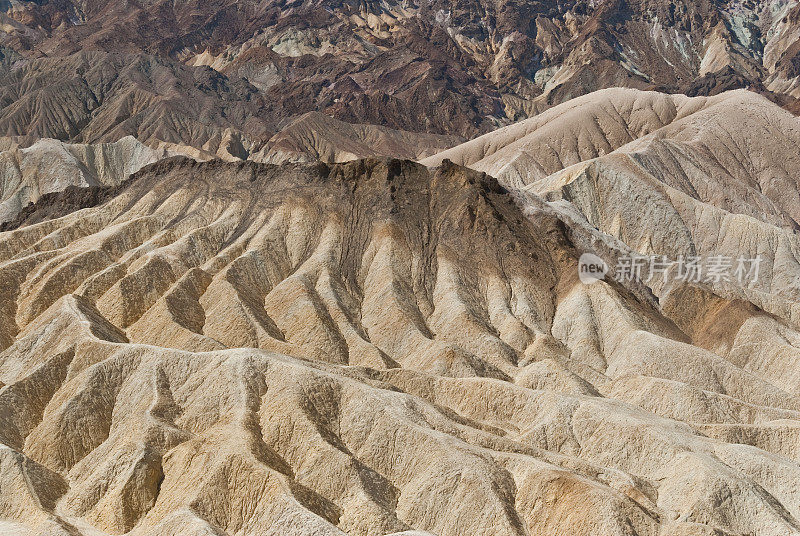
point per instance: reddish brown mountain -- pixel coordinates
(461, 67)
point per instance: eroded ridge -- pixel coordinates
(370, 348)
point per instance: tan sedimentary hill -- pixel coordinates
(51, 166)
(666, 175)
(374, 348)
(317, 137)
(578, 130)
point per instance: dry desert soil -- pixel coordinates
(280, 268)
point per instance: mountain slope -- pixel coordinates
(317, 137)
(239, 348)
(459, 68)
(50, 166)
(666, 175)
(92, 96)
(581, 129)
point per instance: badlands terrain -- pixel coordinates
(185, 72)
(311, 268)
(384, 346)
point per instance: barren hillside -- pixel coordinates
(383, 268)
(666, 175)
(368, 348)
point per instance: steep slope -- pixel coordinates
(578, 130)
(448, 67)
(318, 137)
(100, 97)
(368, 348)
(92, 97)
(666, 175)
(51, 166)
